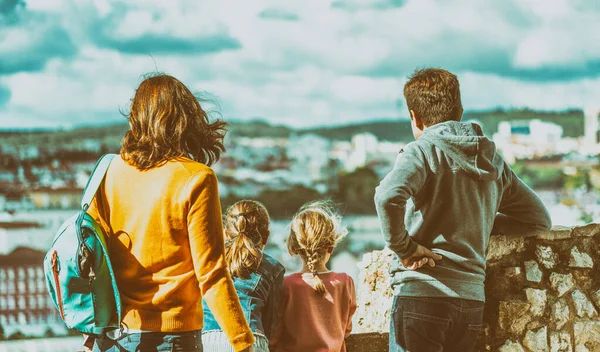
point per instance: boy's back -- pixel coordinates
(438, 206)
(458, 182)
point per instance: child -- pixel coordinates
(460, 189)
(257, 277)
(317, 304)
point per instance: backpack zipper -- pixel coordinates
(55, 270)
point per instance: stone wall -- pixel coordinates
(542, 293)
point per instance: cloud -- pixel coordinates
(30, 39)
(163, 44)
(302, 63)
(356, 5)
(4, 95)
(135, 30)
(278, 14)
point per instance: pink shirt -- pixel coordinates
(310, 322)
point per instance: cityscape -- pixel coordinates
(41, 182)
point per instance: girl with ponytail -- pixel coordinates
(317, 304)
(257, 277)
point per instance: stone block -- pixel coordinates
(588, 230)
(511, 346)
(537, 299)
(587, 336)
(560, 342)
(532, 271)
(580, 259)
(557, 233)
(502, 246)
(561, 283)
(596, 298)
(546, 256)
(513, 316)
(536, 341)
(583, 307)
(560, 314)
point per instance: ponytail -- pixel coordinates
(246, 230)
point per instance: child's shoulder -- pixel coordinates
(272, 261)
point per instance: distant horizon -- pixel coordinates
(275, 124)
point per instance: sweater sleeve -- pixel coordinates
(207, 246)
(406, 179)
(520, 211)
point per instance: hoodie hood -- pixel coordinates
(466, 146)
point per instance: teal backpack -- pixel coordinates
(78, 271)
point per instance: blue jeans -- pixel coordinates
(190, 341)
(435, 324)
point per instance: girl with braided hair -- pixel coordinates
(317, 304)
(257, 277)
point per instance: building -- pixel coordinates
(17, 233)
(56, 198)
(25, 305)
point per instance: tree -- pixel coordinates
(357, 190)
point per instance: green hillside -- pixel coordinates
(390, 130)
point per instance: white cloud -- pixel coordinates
(316, 64)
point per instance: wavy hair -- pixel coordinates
(166, 122)
(246, 232)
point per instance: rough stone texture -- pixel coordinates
(596, 298)
(560, 342)
(514, 306)
(514, 316)
(583, 306)
(588, 230)
(537, 299)
(587, 336)
(580, 259)
(536, 341)
(511, 346)
(561, 283)
(374, 293)
(560, 314)
(368, 342)
(557, 233)
(546, 256)
(532, 271)
(501, 246)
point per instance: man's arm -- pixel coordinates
(521, 211)
(406, 179)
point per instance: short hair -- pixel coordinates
(434, 95)
(167, 122)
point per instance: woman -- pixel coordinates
(160, 204)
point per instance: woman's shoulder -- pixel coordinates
(192, 167)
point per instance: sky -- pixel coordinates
(300, 63)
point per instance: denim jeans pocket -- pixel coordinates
(424, 332)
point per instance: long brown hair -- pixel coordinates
(166, 122)
(315, 229)
(246, 231)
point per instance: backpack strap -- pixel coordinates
(95, 180)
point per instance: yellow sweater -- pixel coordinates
(167, 249)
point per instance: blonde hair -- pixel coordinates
(314, 229)
(246, 231)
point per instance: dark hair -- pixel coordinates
(166, 122)
(434, 95)
(246, 230)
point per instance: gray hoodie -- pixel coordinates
(447, 191)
